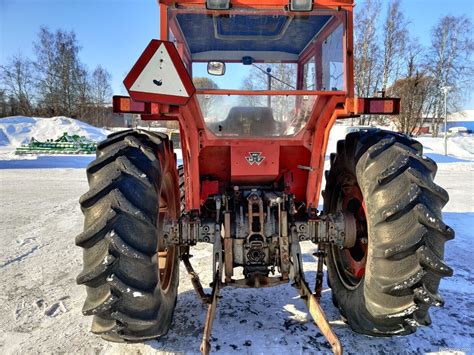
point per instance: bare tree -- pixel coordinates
(68, 68)
(367, 67)
(100, 86)
(4, 109)
(283, 77)
(413, 91)
(206, 102)
(17, 78)
(395, 38)
(250, 83)
(60, 71)
(46, 70)
(101, 93)
(413, 57)
(84, 100)
(276, 76)
(56, 83)
(449, 61)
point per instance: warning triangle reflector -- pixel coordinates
(160, 76)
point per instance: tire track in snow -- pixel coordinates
(20, 257)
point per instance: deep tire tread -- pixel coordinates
(120, 238)
(404, 212)
(406, 284)
(432, 262)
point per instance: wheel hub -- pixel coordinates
(351, 262)
(166, 254)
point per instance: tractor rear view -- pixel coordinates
(250, 183)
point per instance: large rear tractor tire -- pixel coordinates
(385, 284)
(131, 277)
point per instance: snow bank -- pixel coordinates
(338, 132)
(467, 115)
(460, 146)
(18, 130)
(3, 138)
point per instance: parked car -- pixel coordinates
(455, 130)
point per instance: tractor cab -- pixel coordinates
(258, 70)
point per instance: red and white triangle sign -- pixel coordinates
(160, 76)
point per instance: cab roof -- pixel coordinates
(277, 37)
(259, 3)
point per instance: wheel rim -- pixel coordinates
(351, 262)
(166, 255)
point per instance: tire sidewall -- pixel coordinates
(352, 302)
(169, 296)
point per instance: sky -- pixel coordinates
(113, 33)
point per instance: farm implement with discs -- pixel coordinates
(66, 144)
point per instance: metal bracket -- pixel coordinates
(211, 313)
(284, 246)
(190, 231)
(312, 300)
(318, 287)
(195, 281)
(228, 252)
(296, 269)
(336, 228)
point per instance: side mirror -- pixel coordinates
(216, 68)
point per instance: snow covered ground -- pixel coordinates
(40, 304)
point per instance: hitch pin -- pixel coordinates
(304, 167)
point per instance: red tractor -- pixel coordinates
(253, 156)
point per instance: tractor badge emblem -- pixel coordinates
(255, 158)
